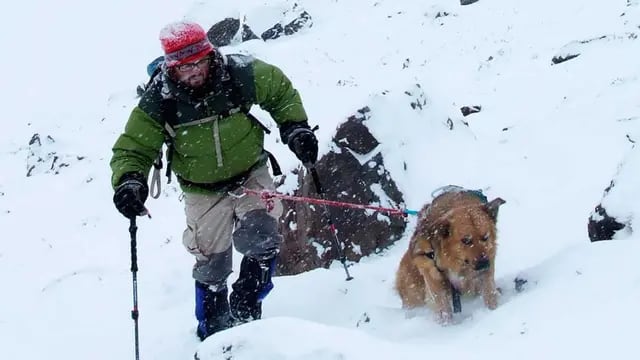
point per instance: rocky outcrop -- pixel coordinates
(613, 217)
(43, 157)
(352, 172)
(226, 31)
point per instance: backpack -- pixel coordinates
(168, 111)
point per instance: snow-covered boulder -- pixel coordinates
(615, 216)
(353, 172)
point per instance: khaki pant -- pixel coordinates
(216, 221)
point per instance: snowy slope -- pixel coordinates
(548, 140)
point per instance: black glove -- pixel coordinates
(131, 194)
(301, 141)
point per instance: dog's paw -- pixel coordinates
(491, 304)
(491, 300)
(444, 318)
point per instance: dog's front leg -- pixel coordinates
(438, 294)
(489, 291)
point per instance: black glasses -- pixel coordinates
(192, 65)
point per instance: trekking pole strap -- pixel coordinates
(156, 188)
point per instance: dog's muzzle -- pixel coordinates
(482, 263)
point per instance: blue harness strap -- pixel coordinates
(455, 188)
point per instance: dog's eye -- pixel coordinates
(467, 240)
(485, 237)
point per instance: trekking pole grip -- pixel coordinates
(133, 229)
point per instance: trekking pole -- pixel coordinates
(134, 272)
(336, 240)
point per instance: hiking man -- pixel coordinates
(199, 104)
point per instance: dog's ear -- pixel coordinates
(492, 208)
(441, 229)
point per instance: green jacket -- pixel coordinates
(214, 139)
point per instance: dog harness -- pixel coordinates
(455, 293)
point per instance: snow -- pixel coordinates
(549, 139)
(174, 30)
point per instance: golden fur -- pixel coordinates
(454, 244)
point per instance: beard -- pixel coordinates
(196, 81)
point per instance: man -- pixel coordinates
(200, 103)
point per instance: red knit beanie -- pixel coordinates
(184, 42)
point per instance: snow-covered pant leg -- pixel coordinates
(210, 220)
(256, 237)
(256, 234)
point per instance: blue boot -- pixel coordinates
(212, 310)
(252, 286)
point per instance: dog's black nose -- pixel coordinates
(482, 263)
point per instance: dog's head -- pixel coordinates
(464, 238)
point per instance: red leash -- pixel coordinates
(268, 196)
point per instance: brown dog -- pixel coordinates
(454, 245)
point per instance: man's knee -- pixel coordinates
(215, 269)
(257, 235)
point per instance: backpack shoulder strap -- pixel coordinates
(242, 82)
(243, 92)
(241, 77)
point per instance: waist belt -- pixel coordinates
(220, 186)
(236, 181)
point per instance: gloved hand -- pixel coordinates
(301, 141)
(131, 194)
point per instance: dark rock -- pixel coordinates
(468, 110)
(467, 2)
(573, 49)
(223, 32)
(273, 32)
(562, 58)
(35, 140)
(450, 124)
(43, 158)
(519, 284)
(418, 97)
(355, 136)
(302, 21)
(601, 226)
(308, 241)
